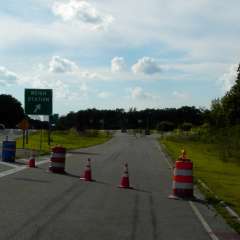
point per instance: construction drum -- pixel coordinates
(57, 160)
(183, 179)
(8, 151)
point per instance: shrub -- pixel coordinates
(186, 126)
(165, 126)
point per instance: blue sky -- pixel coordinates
(120, 54)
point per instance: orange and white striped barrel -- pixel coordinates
(57, 160)
(183, 179)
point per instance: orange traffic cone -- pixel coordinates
(183, 156)
(88, 172)
(125, 183)
(31, 162)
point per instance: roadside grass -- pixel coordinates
(222, 177)
(68, 139)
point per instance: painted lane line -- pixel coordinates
(203, 221)
(18, 169)
(164, 157)
(12, 171)
(42, 162)
(9, 164)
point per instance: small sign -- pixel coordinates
(24, 124)
(38, 101)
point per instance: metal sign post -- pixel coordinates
(39, 102)
(23, 139)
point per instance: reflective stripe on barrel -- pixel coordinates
(183, 179)
(57, 160)
(57, 164)
(182, 172)
(58, 155)
(177, 185)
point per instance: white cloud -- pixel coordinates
(138, 93)
(82, 11)
(8, 77)
(118, 64)
(104, 95)
(228, 79)
(83, 90)
(147, 66)
(61, 65)
(180, 95)
(60, 89)
(88, 74)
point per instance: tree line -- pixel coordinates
(12, 112)
(119, 119)
(224, 113)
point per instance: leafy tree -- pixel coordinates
(186, 126)
(66, 122)
(231, 102)
(11, 111)
(166, 126)
(189, 114)
(133, 119)
(217, 117)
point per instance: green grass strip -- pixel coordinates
(221, 176)
(68, 139)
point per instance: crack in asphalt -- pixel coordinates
(153, 218)
(135, 217)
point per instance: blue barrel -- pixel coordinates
(8, 151)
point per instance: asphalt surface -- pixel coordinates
(36, 204)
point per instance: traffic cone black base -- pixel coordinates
(125, 183)
(87, 173)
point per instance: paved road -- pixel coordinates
(35, 204)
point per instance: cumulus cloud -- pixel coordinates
(180, 95)
(228, 79)
(61, 65)
(61, 90)
(147, 66)
(104, 95)
(118, 64)
(138, 93)
(82, 11)
(7, 77)
(88, 74)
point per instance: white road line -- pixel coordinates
(11, 171)
(165, 158)
(9, 164)
(195, 209)
(18, 169)
(42, 162)
(203, 221)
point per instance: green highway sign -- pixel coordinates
(38, 101)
